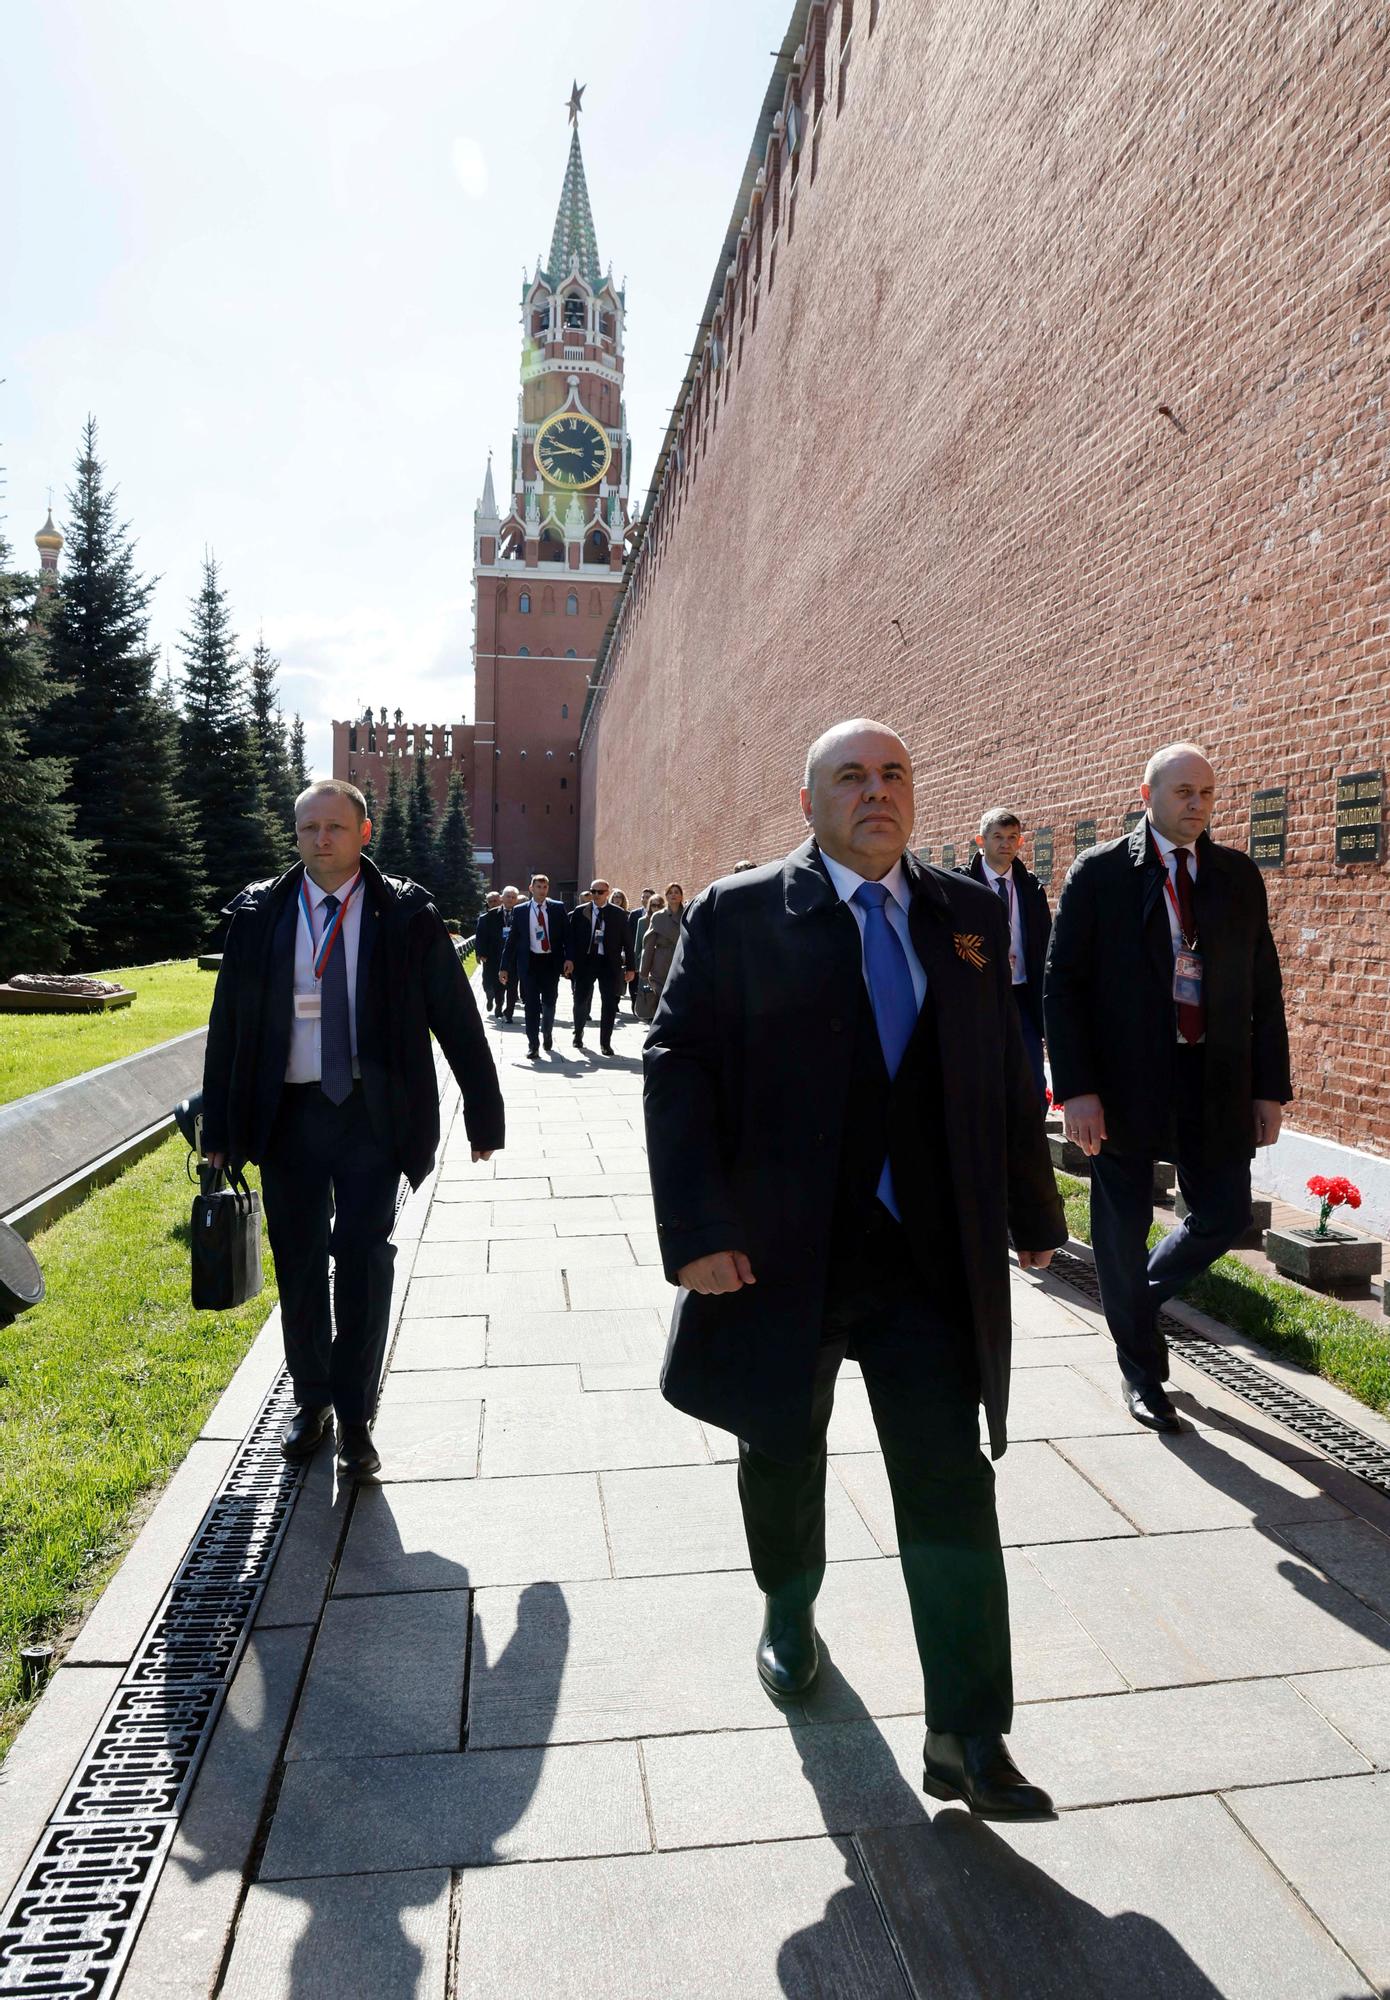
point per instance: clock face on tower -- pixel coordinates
(572, 450)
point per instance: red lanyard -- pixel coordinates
(325, 950)
(1190, 943)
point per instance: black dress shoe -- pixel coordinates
(1151, 1408)
(788, 1660)
(605, 1048)
(979, 1770)
(548, 1045)
(304, 1433)
(358, 1457)
(533, 1054)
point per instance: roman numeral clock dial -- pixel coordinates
(572, 451)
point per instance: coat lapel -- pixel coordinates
(951, 977)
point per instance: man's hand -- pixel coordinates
(568, 968)
(1083, 1121)
(724, 1271)
(501, 979)
(1034, 1260)
(1269, 1118)
(629, 977)
(483, 1152)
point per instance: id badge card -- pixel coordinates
(1187, 978)
(308, 1006)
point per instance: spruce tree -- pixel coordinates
(299, 759)
(459, 889)
(102, 718)
(391, 846)
(419, 823)
(368, 790)
(278, 789)
(219, 755)
(47, 877)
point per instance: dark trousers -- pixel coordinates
(540, 988)
(919, 1370)
(1134, 1280)
(492, 992)
(1032, 1042)
(606, 974)
(319, 1151)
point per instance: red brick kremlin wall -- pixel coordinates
(1052, 425)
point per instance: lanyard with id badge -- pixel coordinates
(309, 1006)
(1187, 960)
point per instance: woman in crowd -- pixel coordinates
(658, 947)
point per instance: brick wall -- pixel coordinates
(1051, 426)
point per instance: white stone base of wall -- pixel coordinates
(1284, 1170)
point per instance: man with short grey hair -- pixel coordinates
(1165, 1029)
(998, 863)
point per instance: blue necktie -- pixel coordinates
(335, 1039)
(893, 995)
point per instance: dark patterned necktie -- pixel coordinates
(335, 1039)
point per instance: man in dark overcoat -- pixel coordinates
(1165, 1029)
(998, 863)
(843, 1133)
(533, 957)
(319, 1067)
(597, 955)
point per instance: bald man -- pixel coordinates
(843, 1132)
(1164, 1012)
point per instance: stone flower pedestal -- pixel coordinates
(44, 993)
(1067, 1157)
(1338, 1262)
(1261, 1213)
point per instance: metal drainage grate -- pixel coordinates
(1342, 1443)
(69, 1925)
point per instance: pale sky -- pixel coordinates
(276, 248)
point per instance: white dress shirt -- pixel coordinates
(1168, 848)
(537, 937)
(991, 876)
(845, 883)
(306, 1036)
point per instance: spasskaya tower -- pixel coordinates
(548, 551)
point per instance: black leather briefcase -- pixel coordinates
(226, 1229)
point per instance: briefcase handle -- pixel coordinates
(211, 1179)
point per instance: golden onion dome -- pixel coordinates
(48, 536)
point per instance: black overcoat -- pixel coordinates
(1108, 996)
(409, 982)
(1036, 920)
(747, 1068)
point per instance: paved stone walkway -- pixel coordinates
(500, 1726)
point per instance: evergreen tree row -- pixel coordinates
(132, 812)
(406, 841)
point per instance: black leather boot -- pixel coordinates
(358, 1457)
(304, 1433)
(979, 1770)
(787, 1656)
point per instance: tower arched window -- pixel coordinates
(523, 603)
(570, 653)
(523, 652)
(564, 717)
(572, 605)
(552, 549)
(596, 550)
(575, 314)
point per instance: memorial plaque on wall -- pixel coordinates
(1134, 817)
(1085, 835)
(1269, 826)
(924, 856)
(1360, 823)
(1042, 854)
(948, 855)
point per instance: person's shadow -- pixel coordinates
(966, 1916)
(403, 1902)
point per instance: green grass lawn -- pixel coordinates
(103, 1387)
(1317, 1333)
(37, 1050)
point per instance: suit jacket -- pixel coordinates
(516, 953)
(747, 1075)
(615, 925)
(1111, 1025)
(488, 942)
(1036, 920)
(409, 983)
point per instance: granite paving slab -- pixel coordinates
(602, 1430)
(612, 1339)
(1101, 1750)
(1098, 1904)
(494, 1291)
(334, 1939)
(1064, 1402)
(570, 1253)
(451, 1257)
(564, 1183)
(595, 1291)
(445, 1534)
(299, 1580)
(1040, 1499)
(646, 1248)
(439, 1343)
(386, 1677)
(185, 1933)
(1353, 1553)
(473, 1221)
(427, 1440)
(645, 1657)
(1043, 1315)
(371, 1815)
(1227, 1604)
(871, 1665)
(790, 1918)
(1331, 1841)
(551, 1383)
(1060, 1350)
(1355, 1700)
(564, 1215)
(1200, 1479)
(687, 1519)
(483, 1193)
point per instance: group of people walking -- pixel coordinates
(843, 1097)
(599, 945)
